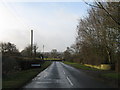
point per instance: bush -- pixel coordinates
(9, 65)
(12, 64)
(25, 63)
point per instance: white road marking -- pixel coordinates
(45, 74)
(64, 72)
(39, 78)
(69, 81)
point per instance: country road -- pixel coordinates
(60, 75)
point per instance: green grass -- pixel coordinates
(79, 66)
(18, 79)
(112, 75)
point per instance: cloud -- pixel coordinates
(50, 0)
(54, 29)
(11, 28)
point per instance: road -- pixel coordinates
(60, 75)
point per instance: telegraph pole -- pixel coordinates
(43, 53)
(31, 42)
(43, 49)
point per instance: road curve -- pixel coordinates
(60, 75)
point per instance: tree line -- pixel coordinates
(10, 49)
(98, 36)
(14, 61)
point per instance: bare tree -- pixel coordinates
(54, 53)
(99, 34)
(27, 51)
(8, 48)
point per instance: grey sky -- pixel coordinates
(54, 23)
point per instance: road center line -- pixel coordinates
(69, 81)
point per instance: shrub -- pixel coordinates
(12, 64)
(9, 65)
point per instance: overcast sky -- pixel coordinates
(54, 23)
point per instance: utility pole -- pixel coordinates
(35, 48)
(43, 53)
(31, 42)
(43, 49)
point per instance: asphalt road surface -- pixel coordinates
(60, 75)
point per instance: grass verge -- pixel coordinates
(102, 73)
(18, 79)
(112, 75)
(79, 66)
